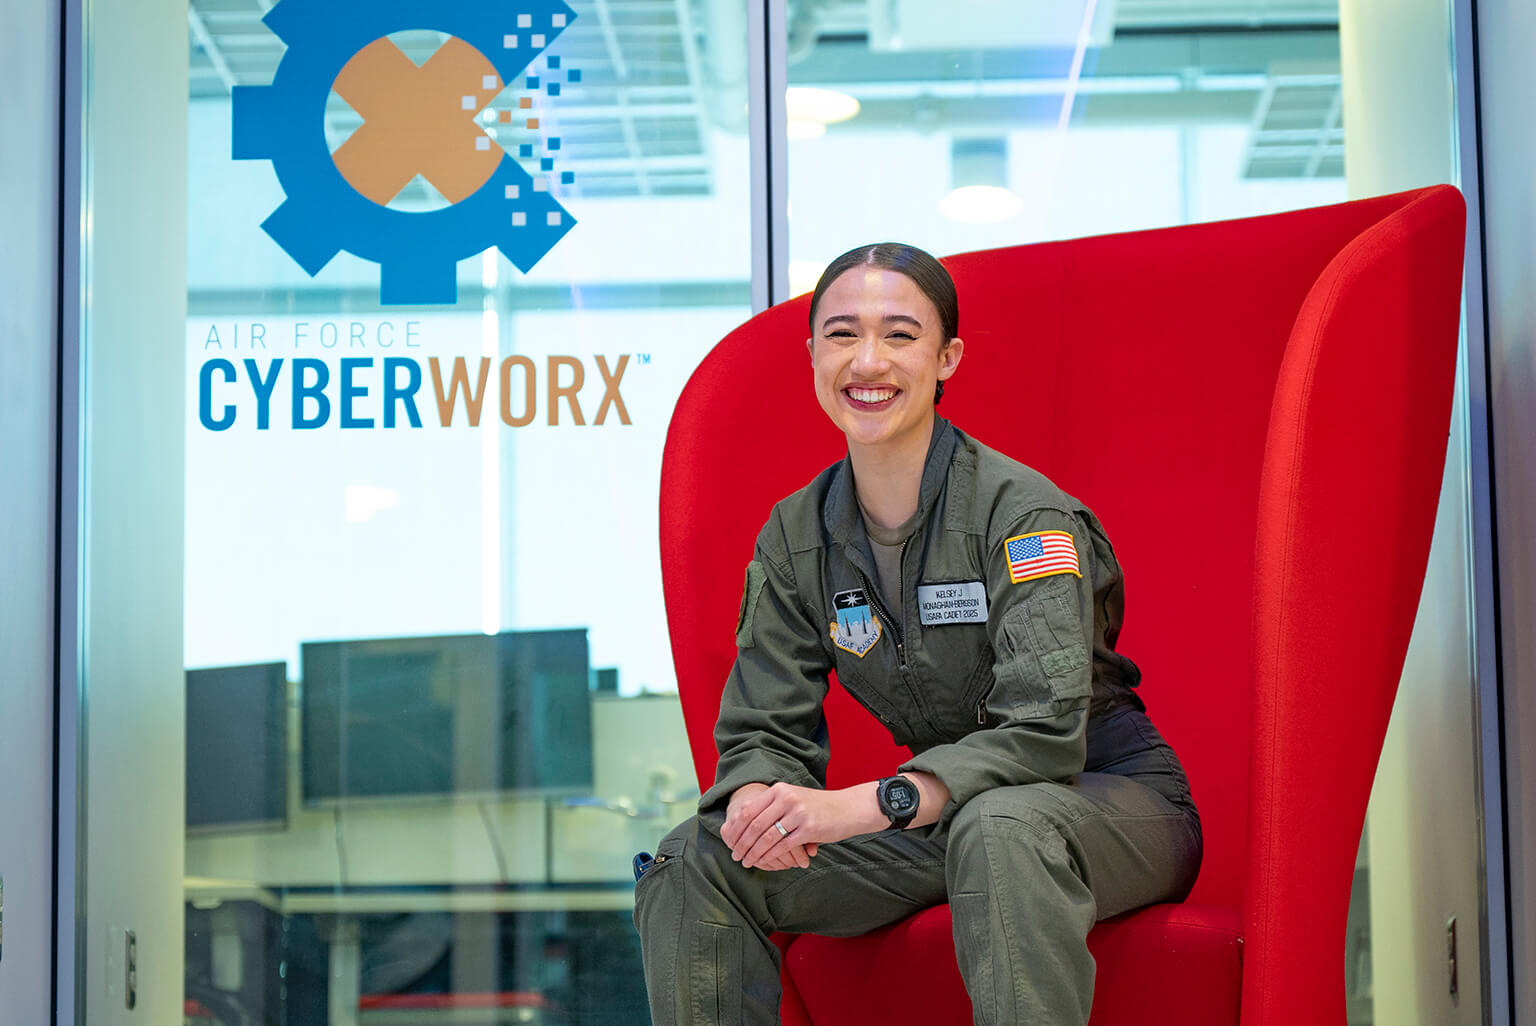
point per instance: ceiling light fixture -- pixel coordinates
(978, 172)
(808, 111)
(828, 106)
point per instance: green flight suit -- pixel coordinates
(1066, 806)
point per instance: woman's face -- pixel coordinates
(877, 354)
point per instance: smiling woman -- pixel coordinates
(880, 345)
(972, 607)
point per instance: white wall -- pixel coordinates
(28, 292)
(135, 281)
(1423, 819)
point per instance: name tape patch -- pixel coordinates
(960, 602)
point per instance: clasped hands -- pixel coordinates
(810, 818)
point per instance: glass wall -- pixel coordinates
(423, 597)
(445, 275)
(973, 127)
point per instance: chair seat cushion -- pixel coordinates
(1179, 965)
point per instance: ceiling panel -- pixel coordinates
(653, 85)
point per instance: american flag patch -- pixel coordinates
(1040, 555)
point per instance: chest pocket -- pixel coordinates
(1043, 664)
(877, 685)
(956, 671)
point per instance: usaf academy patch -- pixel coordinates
(857, 628)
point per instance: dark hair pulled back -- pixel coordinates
(926, 273)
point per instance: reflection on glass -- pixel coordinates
(237, 747)
(540, 967)
(982, 124)
(431, 717)
(401, 718)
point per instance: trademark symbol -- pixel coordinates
(642, 357)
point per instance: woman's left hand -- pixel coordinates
(809, 817)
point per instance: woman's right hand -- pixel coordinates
(741, 810)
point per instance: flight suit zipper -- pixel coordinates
(874, 598)
(879, 604)
(904, 669)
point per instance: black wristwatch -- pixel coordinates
(898, 798)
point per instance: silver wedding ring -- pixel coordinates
(782, 831)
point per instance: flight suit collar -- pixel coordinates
(840, 512)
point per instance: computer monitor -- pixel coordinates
(237, 747)
(467, 715)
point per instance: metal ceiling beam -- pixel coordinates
(999, 88)
(1250, 14)
(209, 47)
(695, 69)
(1324, 145)
(680, 162)
(621, 72)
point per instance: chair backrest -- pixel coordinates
(1151, 363)
(1352, 475)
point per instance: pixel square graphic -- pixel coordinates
(416, 120)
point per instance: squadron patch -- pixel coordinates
(1041, 554)
(856, 628)
(750, 593)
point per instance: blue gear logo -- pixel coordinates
(323, 214)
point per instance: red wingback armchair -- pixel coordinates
(1258, 412)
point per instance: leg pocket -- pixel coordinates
(973, 949)
(668, 854)
(715, 974)
(1136, 847)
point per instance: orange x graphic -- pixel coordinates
(417, 120)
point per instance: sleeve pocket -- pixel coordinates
(750, 593)
(1045, 662)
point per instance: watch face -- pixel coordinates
(900, 797)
